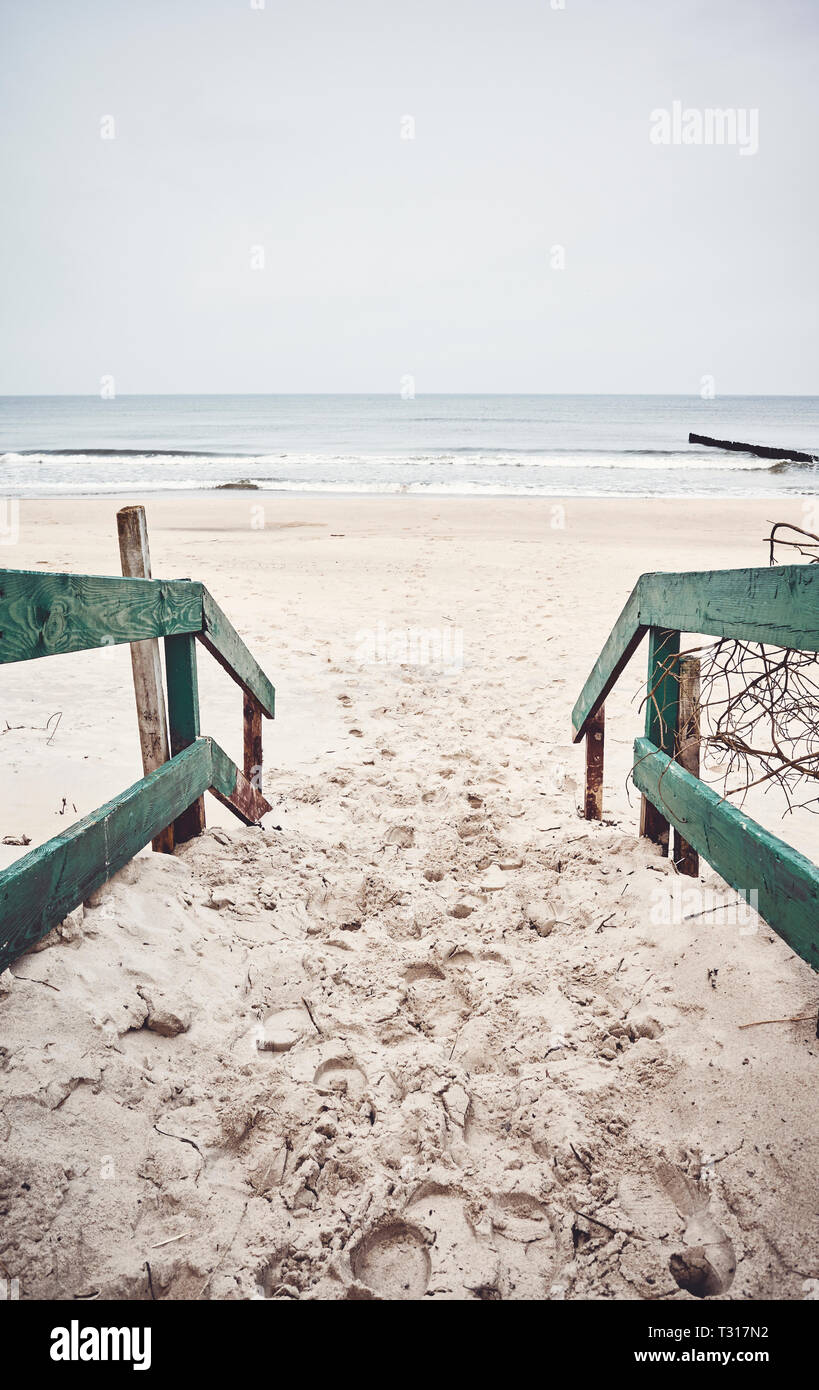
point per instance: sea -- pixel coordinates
(424, 445)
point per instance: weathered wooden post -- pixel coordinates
(145, 660)
(688, 752)
(183, 718)
(662, 712)
(595, 747)
(253, 740)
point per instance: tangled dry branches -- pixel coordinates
(808, 550)
(760, 719)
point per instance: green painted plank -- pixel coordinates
(621, 644)
(183, 720)
(747, 856)
(779, 605)
(663, 688)
(41, 888)
(183, 690)
(223, 641)
(230, 786)
(46, 614)
(662, 716)
(223, 771)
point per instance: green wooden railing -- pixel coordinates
(779, 606)
(49, 614)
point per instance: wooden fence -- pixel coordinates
(49, 614)
(779, 606)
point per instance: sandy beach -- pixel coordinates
(426, 1032)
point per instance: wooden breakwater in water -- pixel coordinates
(762, 451)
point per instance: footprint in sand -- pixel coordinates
(488, 971)
(461, 957)
(281, 1030)
(704, 1263)
(393, 1261)
(438, 1003)
(340, 1075)
(413, 973)
(403, 836)
(526, 1245)
(462, 1263)
(707, 1262)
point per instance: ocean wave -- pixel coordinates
(595, 459)
(259, 488)
(91, 453)
(45, 456)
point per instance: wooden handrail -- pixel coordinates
(52, 614)
(778, 606)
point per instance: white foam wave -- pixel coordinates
(230, 465)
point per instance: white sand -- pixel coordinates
(438, 1036)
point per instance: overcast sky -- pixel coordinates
(280, 127)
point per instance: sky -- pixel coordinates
(333, 195)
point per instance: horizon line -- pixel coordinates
(395, 395)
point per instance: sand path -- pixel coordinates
(426, 1033)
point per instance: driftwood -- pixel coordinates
(762, 451)
(808, 549)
